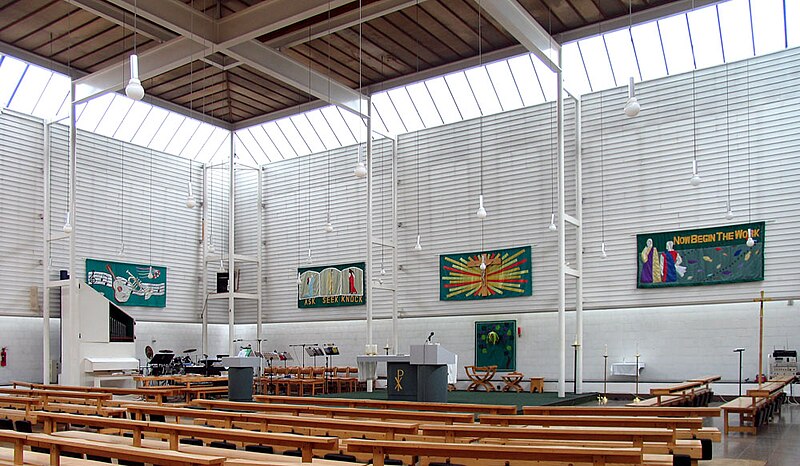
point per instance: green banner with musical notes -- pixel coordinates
(127, 284)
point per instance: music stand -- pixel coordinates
(314, 351)
(330, 350)
(285, 356)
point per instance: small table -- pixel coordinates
(512, 380)
(537, 384)
(480, 376)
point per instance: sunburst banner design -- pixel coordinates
(504, 273)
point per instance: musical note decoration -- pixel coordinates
(128, 284)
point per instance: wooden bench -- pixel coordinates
(56, 445)
(264, 421)
(200, 392)
(232, 456)
(509, 453)
(661, 411)
(304, 443)
(693, 392)
(25, 402)
(47, 395)
(651, 440)
(391, 404)
(362, 413)
(596, 421)
(757, 407)
(158, 394)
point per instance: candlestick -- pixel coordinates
(605, 352)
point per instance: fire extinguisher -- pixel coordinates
(3, 357)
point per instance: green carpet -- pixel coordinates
(491, 398)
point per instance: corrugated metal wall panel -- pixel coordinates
(148, 205)
(647, 166)
(20, 206)
(295, 210)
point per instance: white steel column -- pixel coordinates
(231, 263)
(368, 272)
(46, 256)
(395, 339)
(204, 264)
(562, 326)
(260, 280)
(578, 248)
(70, 323)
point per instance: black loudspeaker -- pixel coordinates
(222, 282)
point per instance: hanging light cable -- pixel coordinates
(603, 253)
(695, 180)
(361, 169)
(552, 226)
(328, 224)
(481, 212)
(190, 200)
(729, 211)
(750, 241)
(67, 228)
(121, 250)
(134, 89)
(150, 274)
(418, 245)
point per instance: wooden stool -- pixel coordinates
(480, 377)
(512, 380)
(537, 384)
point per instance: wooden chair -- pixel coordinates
(480, 376)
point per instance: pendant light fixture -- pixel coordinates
(695, 180)
(481, 212)
(632, 106)
(603, 253)
(134, 89)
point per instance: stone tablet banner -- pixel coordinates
(331, 286)
(506, 273)
(128, 284)
(707, 256)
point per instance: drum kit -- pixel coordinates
(166, 362)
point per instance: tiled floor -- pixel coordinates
(777, 443)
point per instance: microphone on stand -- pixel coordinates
(429, 338)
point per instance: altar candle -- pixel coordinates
(605, 352)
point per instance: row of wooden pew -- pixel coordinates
(693, 392)
(573, 436)
(757, 407)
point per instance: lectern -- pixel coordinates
(423, 377)
(240, 377)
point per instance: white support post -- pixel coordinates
(204, 263)
(70, 323)
(562, 326)
(368, 272)
(395, 338)
(259, 278)
(231, 263)
(46, 256)
(579, 248)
